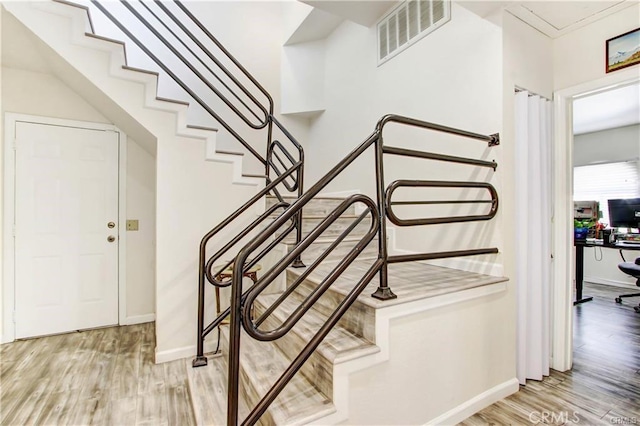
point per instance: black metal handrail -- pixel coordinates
(242, 303)
(243, 306)
(439, 184)
(288, 174)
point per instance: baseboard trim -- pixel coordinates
(614, 283)
(477, 403)
(139, 319)
(183, 352)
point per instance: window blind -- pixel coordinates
(602, 182)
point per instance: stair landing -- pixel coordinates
(409, 281)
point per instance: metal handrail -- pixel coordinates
(204, 266)
(242, 302)
(290, 175)
(243, 308)
(440, 184)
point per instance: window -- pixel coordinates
(408, 23)
(601, 182)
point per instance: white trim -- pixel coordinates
(122, 228)
(561, 329)
(184, 352)
(8, 255)
(477, 403)
(139, 319)
(614, 283)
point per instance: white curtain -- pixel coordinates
(533, 236)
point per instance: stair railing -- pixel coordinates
(243, 301)
(174, 29)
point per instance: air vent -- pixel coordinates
(408, 23)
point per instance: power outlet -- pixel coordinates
(132, 225)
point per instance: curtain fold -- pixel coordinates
(533, 235)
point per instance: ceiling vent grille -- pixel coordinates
(408, 23)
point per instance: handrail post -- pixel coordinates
(200, 360)
(384, 291)
(233, 378)
(297, 262)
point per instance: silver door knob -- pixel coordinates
(111, 225)
(111, 238)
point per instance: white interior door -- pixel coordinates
(66, 266)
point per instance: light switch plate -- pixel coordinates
(132, 225)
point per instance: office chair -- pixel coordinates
(632, 269)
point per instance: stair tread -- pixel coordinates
(409, 281)
(318, 197)
(107, 39)
(219, 151)
(339, 346)
(175, 101)
(326, 240)
(261, 364)
(198, 127)
(208, 389)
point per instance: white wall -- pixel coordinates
(579, 56)
(141, 244)
(303, 77)
(452, 77)
(42, 94)
(418, 383)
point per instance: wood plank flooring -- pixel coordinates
(104, 376)
(603, 388)
(107, 377)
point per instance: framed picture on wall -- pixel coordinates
(623, 50)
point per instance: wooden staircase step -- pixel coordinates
(208, 389)
(339, 346)
(358, 320)
(318, 206)
(261, 363)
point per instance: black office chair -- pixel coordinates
(632, 269)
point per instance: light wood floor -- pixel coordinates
(603, 388)
(107, 377)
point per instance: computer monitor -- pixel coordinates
(624, 213)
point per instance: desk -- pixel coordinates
(580, 245)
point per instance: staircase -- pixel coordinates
(291, 343)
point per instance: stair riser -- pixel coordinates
(317, 206)
(359, 318)
(316, 249)
(333, 231)
(317, 369)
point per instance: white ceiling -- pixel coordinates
(553, 18)
(361, 12)
(606, 110)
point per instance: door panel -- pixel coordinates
(66, 193)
